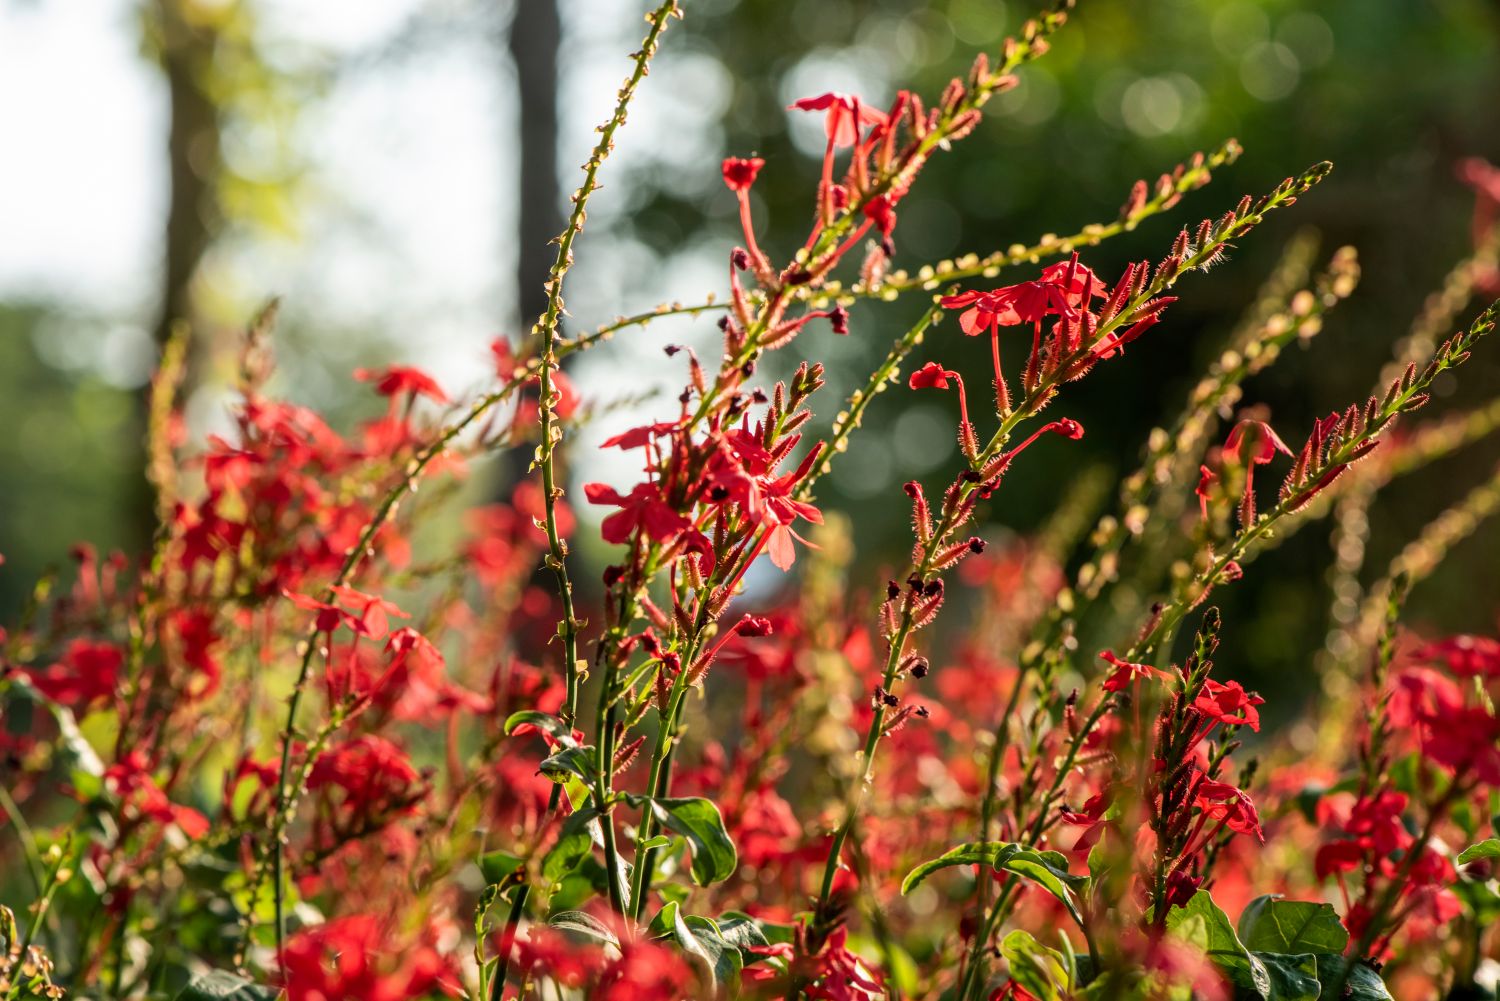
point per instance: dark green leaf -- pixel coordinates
(545, 722)
(989, 853)
(741, 930)
(699, 821)
(577, 761)
(1047, 874)
(1292, 978)
(217, 985)
(726, 956)
(1489, 848)
(670, 922)
(1291, 927)
(1363, 984)
(575, 842)
(1035, 967)
(1048, 870)
(1202, 922)
(585, 924)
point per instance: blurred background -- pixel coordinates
(393, 170)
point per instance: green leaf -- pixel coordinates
(698, 820)
(990, 853)
(575, 842)
(545, 722)
(567, 761)
(498, 866)
(1292, 978)
(585, 924)
(663, 921)
(1216, 937)
(741, 930)
(726, 957)
(1364, 984)
(1489, 848)
(669, 922)
(217, 985)
(1271, 924)
(570, 762)
(1035, 967)
(1048, 870)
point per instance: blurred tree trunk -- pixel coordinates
(535, 38)
(186, 51)
(184, 47)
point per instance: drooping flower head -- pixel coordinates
(934, 376)
(1256, 444)
(845, 118)
(739, 174)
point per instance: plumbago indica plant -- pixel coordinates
(289, 752)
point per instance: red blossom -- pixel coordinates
(360, 956)
(402, 380)
(931, 376)
(846, 116)
(739, 173)
(86, 675)
(642, 509)
(1126, 673)
(141, 798)
(1230, 806)
(1465, 656)
(1229, 704)
(1206, 478)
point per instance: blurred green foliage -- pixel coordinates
(63, 461)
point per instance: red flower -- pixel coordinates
(1484, 178)
(398, 380)
(1264, 441)
(784, 511)
(1063, 289)
(637, 437)
(1338, 856)
(932, 376)
(1230, 806)
(740, 173)
(85, 676)
(1376, 822)
(372, 612)
(1206, 478)
(356, 957)
(1229, 704)
(846, 116)
(141, 798)
(1465, 656)
(375, 781)
(1466, 741)
(1264, 444)
(881, 210)
(642, 509)
(1126, 673)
